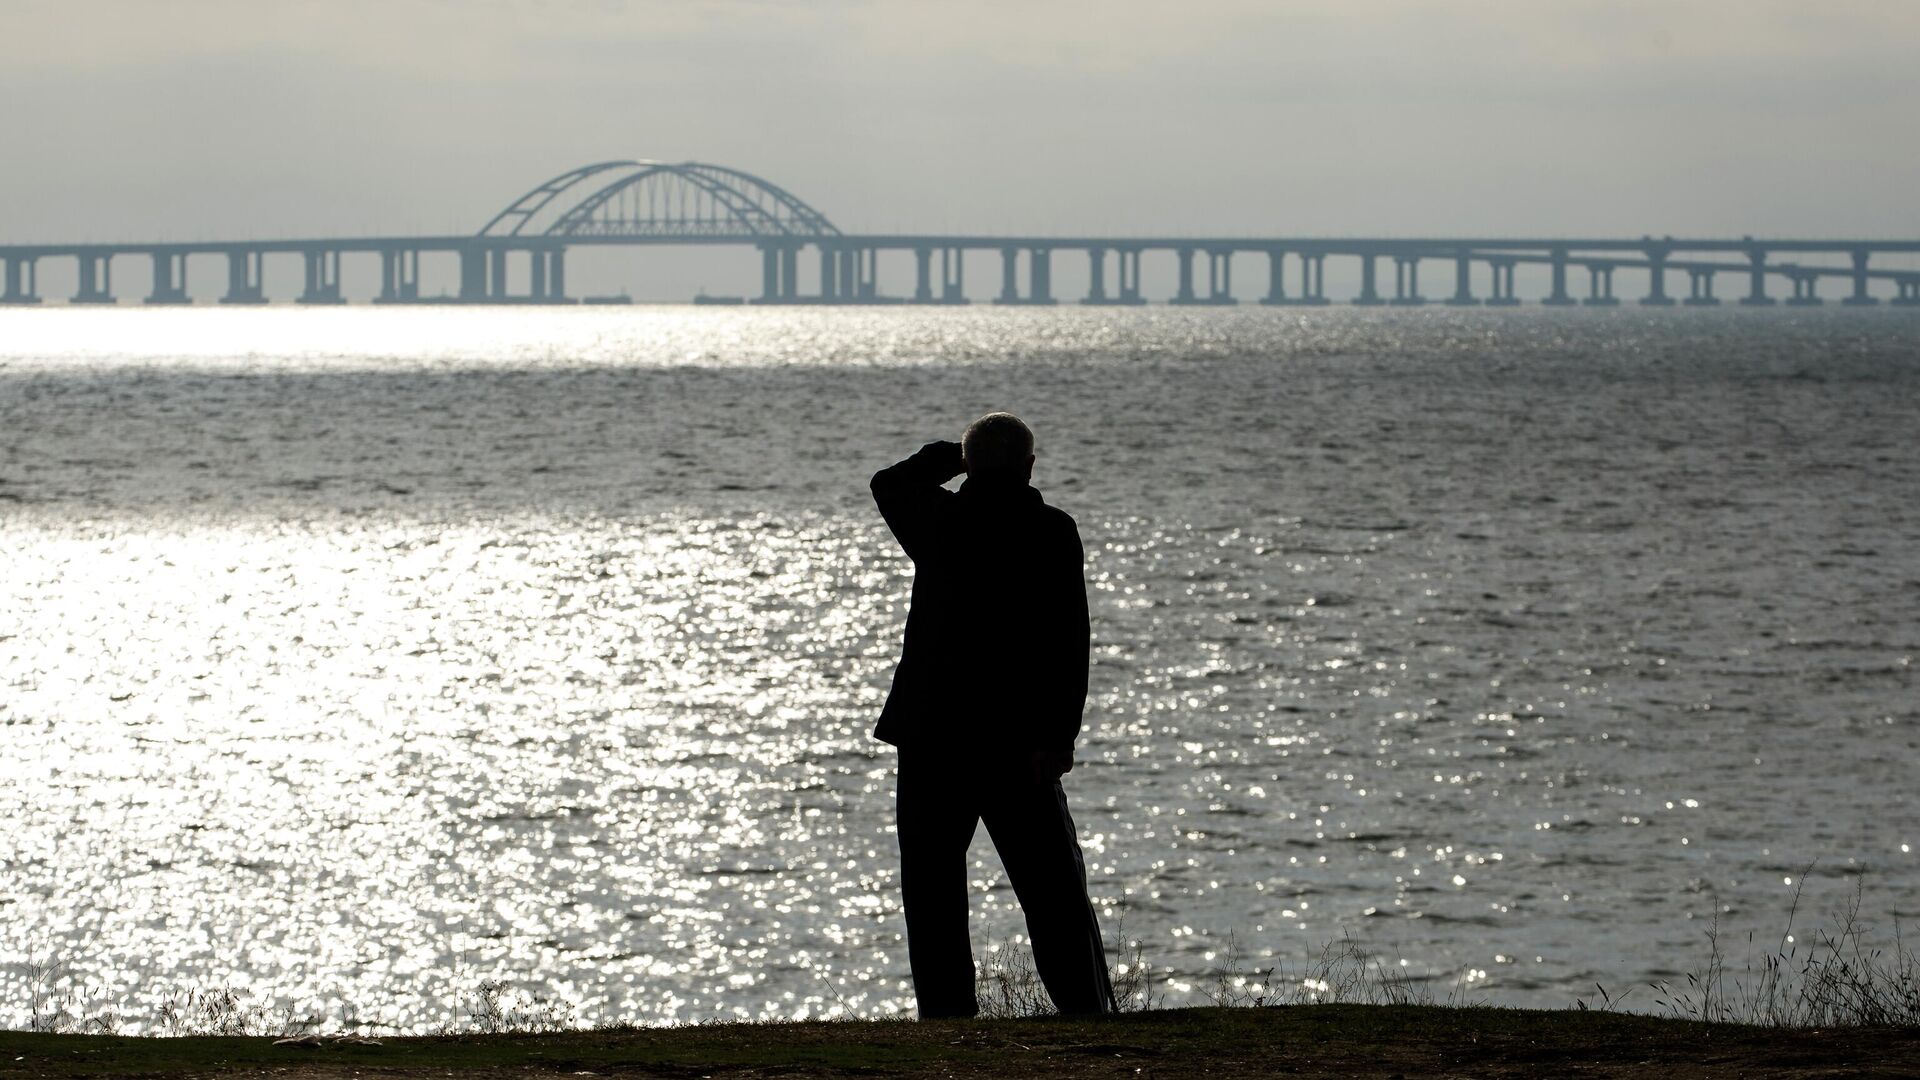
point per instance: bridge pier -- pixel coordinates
(1463, 281)
(1368, 294)
(1096, 276)
(1700, 288)
(537, 276)
(169, 279)
(1860, 297)
(1502, 284)
(21, 284)
(96, 280)
(557, 277)
(1313, 284)
(1039, 276)
(953, 275)
(1220, 277)
(1040, 267)
(1656, 280)
(1757, 290)
(497, 275)
(1805, 289)
(852, 263)
(1600, 285)
(829, 267)
(923, 275)
(1558, 297)
(399, 277)
(1276, 278)
(473, 274)
(1908, 291)
(1406, 281)
(1184, 294)
(323, 278)
(769, 273)
(243, 278)
(1128, 260)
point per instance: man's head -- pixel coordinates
(999, 445)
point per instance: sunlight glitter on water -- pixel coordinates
(410, 752)
(357, 657)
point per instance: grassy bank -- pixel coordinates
(1336, 1040)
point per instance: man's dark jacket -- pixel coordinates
(995, 658)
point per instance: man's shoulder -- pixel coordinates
(1058, 523)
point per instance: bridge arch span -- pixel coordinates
(641, 198)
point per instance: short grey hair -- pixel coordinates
(998, 442)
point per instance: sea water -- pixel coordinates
(354, 658)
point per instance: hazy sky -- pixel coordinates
(210, 118)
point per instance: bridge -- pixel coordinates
(637, 202)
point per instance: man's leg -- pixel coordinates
(935, 820)
(1035, 836)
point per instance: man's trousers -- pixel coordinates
(941, 797)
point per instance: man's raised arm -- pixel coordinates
(908, 492)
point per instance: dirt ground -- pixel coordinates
(1299, 1041)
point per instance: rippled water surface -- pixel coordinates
(353, 657)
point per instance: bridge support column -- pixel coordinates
(323, 278)
(1657, 280)
(1406, 280)
(923, 275)
(1805, 289)
(243, 278)
(1276, 278)
(537, 276)
(829, 263)
(399, 277)
(497, 275)
(473, 275)
(169, 279)
(557, 276)
(851, 262)
(1860, 297)
(1040, 271)
(1503, 295)
(1185, 294)
(953, 276)
(1600, 285)
(1757, 290)
(1128, 260)
(1369, 295)
(1700, 289)
(1908, 291)
(1096, 276)
(96, 280)
(1313, 284)
(769, 273)
(790, 274)
(1220, 277)
(20, 281)
(1009, 277)
(1463, 281)
(1558, 297)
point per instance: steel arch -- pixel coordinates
(741, 205)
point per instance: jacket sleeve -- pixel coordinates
(1074, 635)
(909, 493)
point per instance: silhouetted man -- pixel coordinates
(985, 708)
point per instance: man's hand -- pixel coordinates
(1044, 767)
(951, 460)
